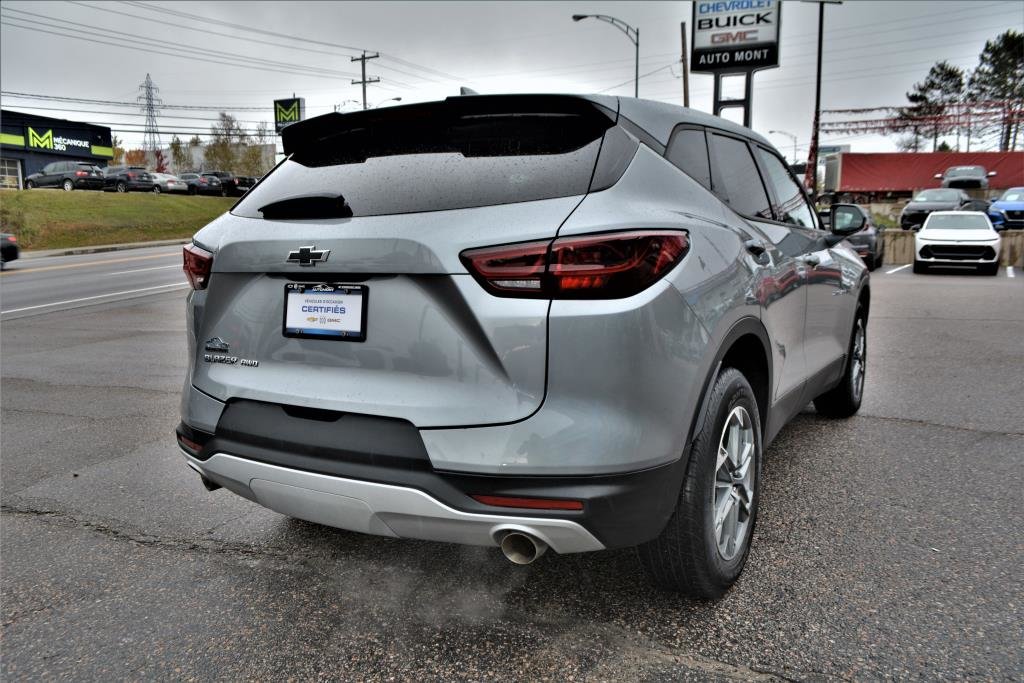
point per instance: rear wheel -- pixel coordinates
(67, 185)
(844, 400)
(29, 184)
(702, 549)
(121, 187)
(192, 189)
(156, 189)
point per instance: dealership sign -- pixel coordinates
(287, 112)
(74, 142)
(735, 35)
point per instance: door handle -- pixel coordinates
(811, 259)
(758, 251)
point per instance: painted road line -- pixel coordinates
(896, 270)
(143, 270)
(98, 296)
(1009, 271)
(91, 264)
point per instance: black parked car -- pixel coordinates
(867, 242)
(8, 248)
(202, 184)
(67, 175)
(127, 179)
(926, 201)
(230, 184)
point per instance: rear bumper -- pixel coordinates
(89, 183)
(383, 464)
(380, 509)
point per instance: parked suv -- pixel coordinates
(201, 184)
(67, 175)
(530, 322)
(127, 179)
(965, 177)
(230, 185)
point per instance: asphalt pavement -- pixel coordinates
(888, 544)
(31, 286)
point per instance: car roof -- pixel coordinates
(956, 213)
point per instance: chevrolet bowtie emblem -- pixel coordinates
(308, 256)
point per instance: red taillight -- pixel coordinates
(202, 181)
(605, 266)
(81, 174)
(198, 263)
(12, 238)
(529, 503)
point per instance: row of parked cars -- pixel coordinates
(1006, 212)
(81, 175)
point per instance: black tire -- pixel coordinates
(878, 261)
(989, 269)
(686, 556)
(30, 184)
(920, 267)
(844, 400)
(156, 189)
(67, 185)
(121, 187)
(192, 189)
(872, 262)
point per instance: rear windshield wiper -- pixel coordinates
(298, 208)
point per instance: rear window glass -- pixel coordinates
(434, 162)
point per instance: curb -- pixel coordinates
(74, 251)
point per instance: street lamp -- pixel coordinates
(632, 33)
(788, 135)
(390, 99)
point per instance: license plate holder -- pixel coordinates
(327, 311)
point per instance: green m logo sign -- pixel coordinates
(44, 141)
(286, 114)
(288, 111)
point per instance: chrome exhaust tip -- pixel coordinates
(522, 548)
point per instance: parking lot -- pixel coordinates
(888, 544)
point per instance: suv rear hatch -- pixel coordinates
(384, 201)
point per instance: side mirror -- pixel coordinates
(938, 176)
(991, 174)
(846, 219)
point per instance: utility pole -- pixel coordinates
(364, 80)
(811, 176)
(686, 68)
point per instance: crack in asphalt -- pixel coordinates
(928, 423)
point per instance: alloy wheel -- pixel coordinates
(858, 359)
(734, 483)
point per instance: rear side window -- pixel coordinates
(688, 150)
(434, 160)
(792, 203)
(736, 178)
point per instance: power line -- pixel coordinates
(151, 50)
(84, 100)
(275, 34)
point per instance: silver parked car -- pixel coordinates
(165, 182)
(521, 321)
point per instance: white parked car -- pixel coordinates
(957, 238)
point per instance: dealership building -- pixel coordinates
(29, 142)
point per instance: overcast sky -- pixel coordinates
(874, 52)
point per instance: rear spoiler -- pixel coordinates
(309, 134)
